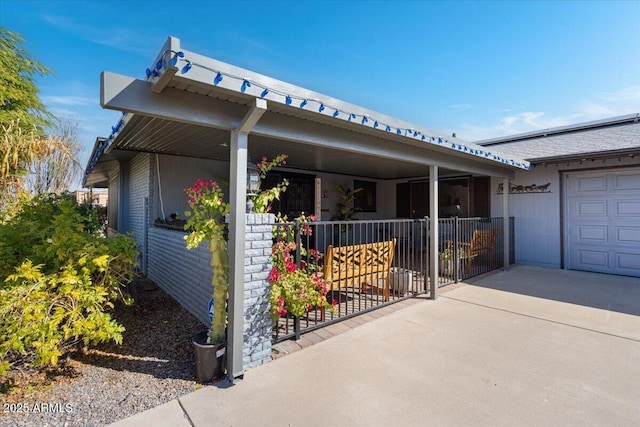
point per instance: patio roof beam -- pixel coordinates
(164, 79)
(122, 93)
(306, 132)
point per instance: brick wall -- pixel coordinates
(257, 312)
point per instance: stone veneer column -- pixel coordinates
(256, 347)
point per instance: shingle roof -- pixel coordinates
(611, 136)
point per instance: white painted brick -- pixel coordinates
(261, 244)
(261, 229)
(261, 260)
(252, 269)
(250, 253)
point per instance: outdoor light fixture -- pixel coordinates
(253, 184)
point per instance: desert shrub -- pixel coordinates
(58, 281)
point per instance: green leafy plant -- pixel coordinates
(263, 200)
(448, 254)
(58, 281)
(206, 223)
(346, 209)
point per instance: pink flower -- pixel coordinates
(274, 274)
(264, 158)
(291, 267)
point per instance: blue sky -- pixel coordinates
(480, 69)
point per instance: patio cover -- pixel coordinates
(191, 105)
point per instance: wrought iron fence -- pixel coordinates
(468, 247)
(471, 246)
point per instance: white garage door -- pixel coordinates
(603, 221)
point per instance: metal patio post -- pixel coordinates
(505, 222)
(237, 230)
(433, 245)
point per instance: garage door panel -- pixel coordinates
(627, 182)
(628, 235)
(588, 208)
(628, 261)
(596, 259)
(592, 233)
(591, 183)
(603, 221)
(629, 208)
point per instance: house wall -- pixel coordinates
(538, 224)
(330, 197)
(177, 173)
(139, 195)
(184, 274)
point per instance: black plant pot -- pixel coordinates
(210, 358)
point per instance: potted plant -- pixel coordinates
(346, 209)
(448, 261)
(206, 223)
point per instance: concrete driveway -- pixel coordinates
(526, 347)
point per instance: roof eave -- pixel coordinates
(613, 121)
(632, 152)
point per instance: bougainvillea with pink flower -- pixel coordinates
(295, 290)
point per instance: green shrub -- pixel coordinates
(57, 281)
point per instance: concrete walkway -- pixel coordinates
(527, 347)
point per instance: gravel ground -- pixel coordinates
(98, 386)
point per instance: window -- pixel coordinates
(299, 197)
(365, 199)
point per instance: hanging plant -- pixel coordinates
(206, 223)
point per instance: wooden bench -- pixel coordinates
(359, 265)
(483, 242)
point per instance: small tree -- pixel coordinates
(56, 172)
(24, 146)
(18, 149)
(19, 100)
